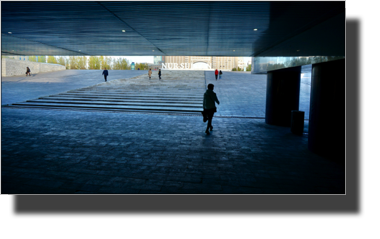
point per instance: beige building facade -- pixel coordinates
(202, 62)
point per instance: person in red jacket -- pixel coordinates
(216, 74)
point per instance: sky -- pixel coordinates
(138, 59)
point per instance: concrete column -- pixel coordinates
(283, 91)
(327, 110)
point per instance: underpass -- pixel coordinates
(131, 143)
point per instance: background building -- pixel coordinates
(206, 62)
(227, 63)
(157, 60)
(20, 58)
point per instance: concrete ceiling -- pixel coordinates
(173, 28)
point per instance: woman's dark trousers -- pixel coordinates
(210, 114)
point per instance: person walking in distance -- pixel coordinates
(159, 74)
(220, 74)
(216, 74)
(150, 73)
(27, 71)
(105, 73)
(209, 99)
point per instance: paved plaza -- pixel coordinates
(75, 151)
(20, 88)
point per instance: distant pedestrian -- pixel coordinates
(209, 99)
(150, 73)
(159, 74)
(105, 73)
(216, 74)
(220, 74)
(27, 71)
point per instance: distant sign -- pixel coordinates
(181, 66)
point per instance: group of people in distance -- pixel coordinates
(218, 73)
(150, 74)
(105, 73)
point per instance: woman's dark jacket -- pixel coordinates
(209, 99)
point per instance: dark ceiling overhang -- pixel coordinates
(173, 28)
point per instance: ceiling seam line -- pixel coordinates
(130, 27)
(47, 45)
(208, 29)
(11, 53)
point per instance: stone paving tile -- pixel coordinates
(240, 94)
(71, 152)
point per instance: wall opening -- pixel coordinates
(305, 88)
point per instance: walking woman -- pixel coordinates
(209, 99)
(27, 71)
(159, 74)
(220, 74)
(216, 74)
(150, 73)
